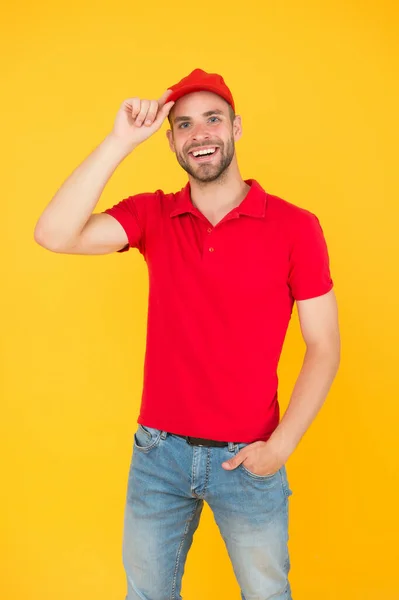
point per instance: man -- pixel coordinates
(226, 262)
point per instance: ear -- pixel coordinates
(237, 128)
(169, 135)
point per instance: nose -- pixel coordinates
(200, 133)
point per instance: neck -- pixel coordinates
(216, 198)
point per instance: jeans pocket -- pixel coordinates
(146, 438)
(255, 476)
(239, 447)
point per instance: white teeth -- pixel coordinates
(202, 152)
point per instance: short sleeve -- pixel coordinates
(309, 271)
(131, 213)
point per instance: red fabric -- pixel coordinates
(217, 319)
(199, 80)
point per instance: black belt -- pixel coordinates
(203, 442)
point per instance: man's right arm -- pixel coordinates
(68, 225)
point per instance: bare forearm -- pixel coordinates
(69, 210)
(310, 391)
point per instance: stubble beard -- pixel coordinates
(208, 172)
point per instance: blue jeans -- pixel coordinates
(168, 482)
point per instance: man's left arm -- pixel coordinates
(318, 319)
(319, 325)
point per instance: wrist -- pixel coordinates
(119, 144)
(280, 443)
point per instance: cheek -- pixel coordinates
(178, 146)
(180, 143)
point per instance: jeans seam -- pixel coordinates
(189, 520)
(208, 469)
(140, 595)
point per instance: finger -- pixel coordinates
(234, 462)
(152, 113)
(145, 104)
(135, 104)
(164, 97)
(163, 113)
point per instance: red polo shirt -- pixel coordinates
(220, 301)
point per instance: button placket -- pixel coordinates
(209, 231)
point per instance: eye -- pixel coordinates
(181, 124)
(215, 118)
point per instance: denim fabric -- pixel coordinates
(169, 480)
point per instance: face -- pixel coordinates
(201, 121)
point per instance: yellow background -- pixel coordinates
(315, 85)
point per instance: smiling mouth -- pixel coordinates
(208, 157)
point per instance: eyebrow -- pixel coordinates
(208, 113)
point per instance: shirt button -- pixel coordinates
(211, 249)
(209, 230)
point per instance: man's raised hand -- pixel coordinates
(137, 119)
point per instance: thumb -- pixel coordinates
(234, 462)
(163, 113)
(164, 97)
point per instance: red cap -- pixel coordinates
(199, 80)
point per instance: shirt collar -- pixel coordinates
(253, 205)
